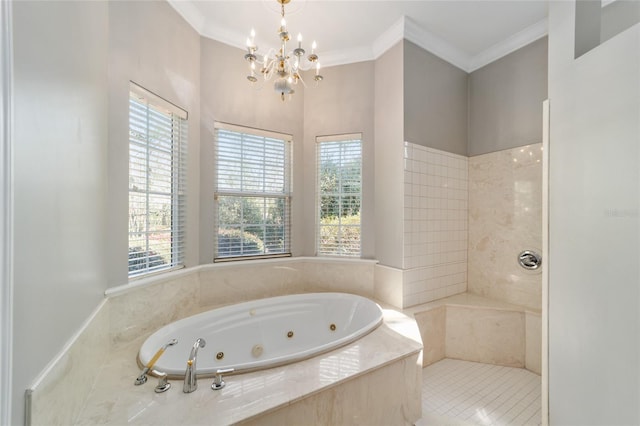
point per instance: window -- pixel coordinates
(253, 193)
(339, 195)
(157, 166)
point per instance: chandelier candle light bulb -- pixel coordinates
(286, 64)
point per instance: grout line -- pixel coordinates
(465, 390)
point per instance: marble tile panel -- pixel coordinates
(224, 284)
(348, 277)
(505, 218)
(146, 309)
(59, 397)
(117, 401)
(432, 325)
(533, 343)
(485, 335)
(388, 285)
(386, 396)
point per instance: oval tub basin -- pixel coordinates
(263, 333)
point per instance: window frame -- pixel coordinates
(285, 195)
(177, 123)
(336, 139)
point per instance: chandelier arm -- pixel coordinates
(285, 66)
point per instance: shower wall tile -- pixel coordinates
(505, 218)
(435, 224)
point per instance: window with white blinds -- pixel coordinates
(253, 193)
(339, 195)
(157, 169)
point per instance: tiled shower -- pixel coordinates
(465, 221)
(435, 224)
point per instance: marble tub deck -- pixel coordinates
(114, 400)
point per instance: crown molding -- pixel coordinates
(230, 38)
(509, 45)
(190, 14)
(404, 28)
(389, 38)
(347, 56)
(436, 45)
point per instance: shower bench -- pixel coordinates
(474, 328)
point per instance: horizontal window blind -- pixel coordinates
(253, 193)
(157, 178)
(339, 195)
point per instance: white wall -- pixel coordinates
(342, 103)
(60, 178)
(166, 62)
(389, 145)
(6, 209)
(594, 253)
(228, 97)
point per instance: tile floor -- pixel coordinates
(460, 393)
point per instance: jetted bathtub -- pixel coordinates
(263, 333)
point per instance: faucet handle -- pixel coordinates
(163, 383)
(218, 383)
(142, 378)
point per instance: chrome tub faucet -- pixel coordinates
(190, 379)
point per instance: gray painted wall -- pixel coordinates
(505, 100)
(60, 178)
(596, 24)
(227, 96)
(617, 17)
(594, 227)
(166, 63)
(343, 103)
(389, 142)
(435, 101)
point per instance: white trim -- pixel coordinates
(347, 56)
(545, 264)
(6, 213)
(52, 364)
(190, 14)
(148, 96)
(339, 138)
(403, 28)
(253, 131)
(436, 45)
(389, 38)
(510, 45)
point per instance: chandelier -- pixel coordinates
(282, 65)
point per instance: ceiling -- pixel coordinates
(467, 33)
